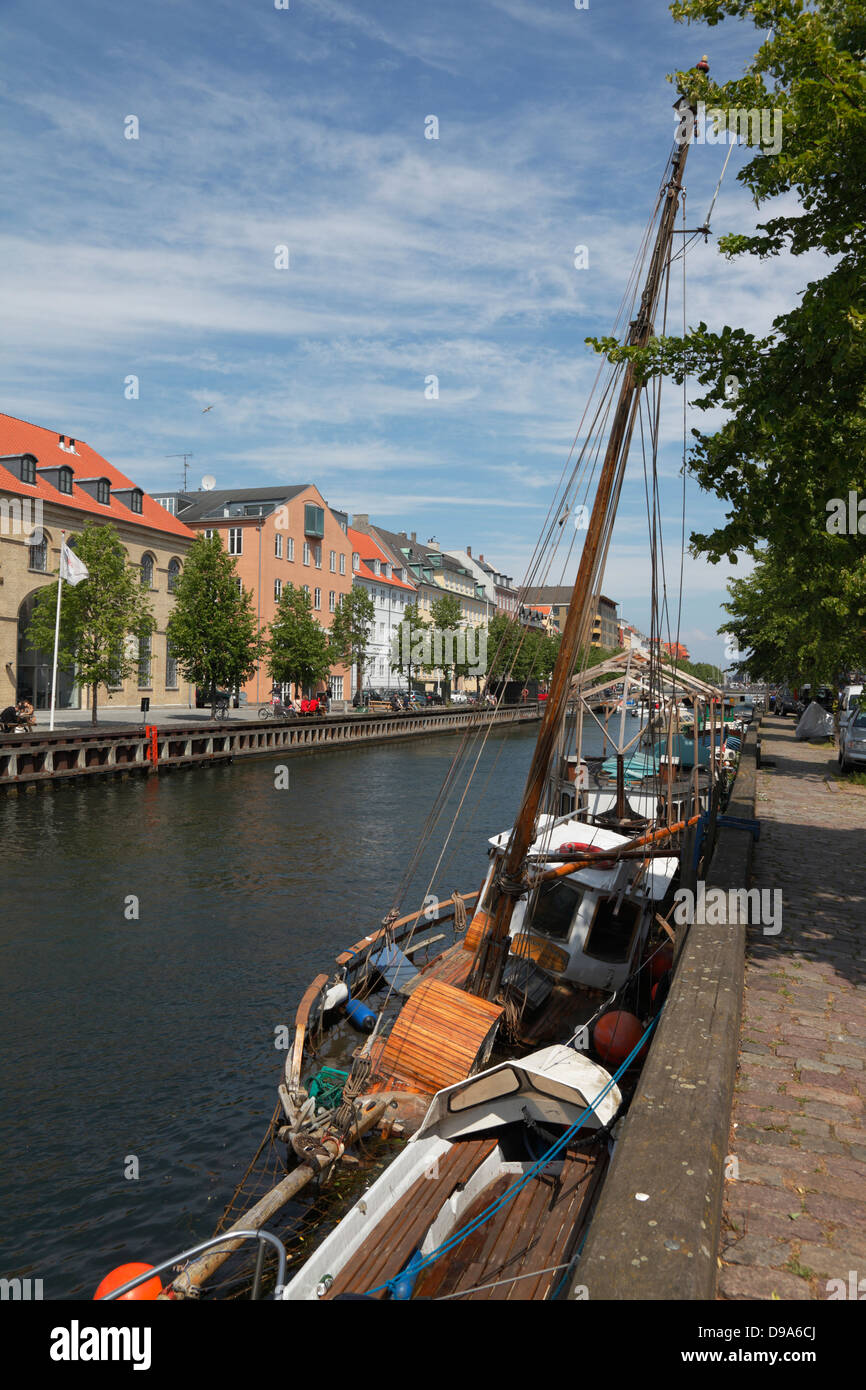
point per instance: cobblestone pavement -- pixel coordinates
(795, 1199)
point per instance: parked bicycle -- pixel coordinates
(277, 710)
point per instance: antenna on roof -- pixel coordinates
(185, 465)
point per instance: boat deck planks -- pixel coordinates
(538, 1228)
(394, 1240)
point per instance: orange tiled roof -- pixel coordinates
(367, 549)
(20, 437)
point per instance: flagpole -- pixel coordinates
(56, 633)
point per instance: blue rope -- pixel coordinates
(531, 1173)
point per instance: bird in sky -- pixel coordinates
(207, 408)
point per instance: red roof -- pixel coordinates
(367, 549)
(20, 437)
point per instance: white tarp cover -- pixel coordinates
(815, 722)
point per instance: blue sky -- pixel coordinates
(408, 256)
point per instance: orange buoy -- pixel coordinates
(151, 1288)
(615, 1035)
(661, 963)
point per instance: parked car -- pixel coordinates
(459, 697)
(852, 740)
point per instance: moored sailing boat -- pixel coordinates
(556, 960)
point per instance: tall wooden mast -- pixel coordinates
(509, 883)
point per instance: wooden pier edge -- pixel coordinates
(673, 1146)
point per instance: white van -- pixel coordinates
(850, 697)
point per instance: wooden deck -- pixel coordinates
(538, 1228)
(396, 1238)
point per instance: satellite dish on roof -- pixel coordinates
(208, 482)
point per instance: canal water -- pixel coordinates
(147, 1041)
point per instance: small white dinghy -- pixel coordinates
(480, 1140)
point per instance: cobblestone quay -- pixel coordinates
(795, 1200)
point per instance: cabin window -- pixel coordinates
(553, 908)
(486, 1088)
(611, 934)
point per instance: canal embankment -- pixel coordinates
(656, 1230)
(147, 748)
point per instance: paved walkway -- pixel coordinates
(795, 1212)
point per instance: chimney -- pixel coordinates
(413, 537)
(61, 441)
(481, 557)
(469, 551)
(71, 445)
(361, 519)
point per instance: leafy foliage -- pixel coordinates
(350, 631)
(298, 649)
(212, 629)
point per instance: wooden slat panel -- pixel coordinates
(437, 1038)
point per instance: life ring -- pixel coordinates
(581, 848)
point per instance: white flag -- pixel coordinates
(72, 569)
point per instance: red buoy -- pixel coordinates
(615, 1035)
(661, 963)
(151, 1288)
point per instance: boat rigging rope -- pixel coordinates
(532, 1172)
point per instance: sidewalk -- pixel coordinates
(795, 1201)
(130, 716)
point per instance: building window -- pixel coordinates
(28, 470)
(278, 589)
(135, 500)
(306, 552)
(103, 492)
(332, 602)
(306, 589)
(333, 562)
(336, 684)
(209, 535)
(144, 656)
(115, 680)
(238, 584)
(314, 520)
(64, 480)
(290, 548)
(356, 560)
(173, 575)
(39, 556)
(278, 547)
(342, 564)
(236, 540)
(170, 668)
(317, 552)
(147, 571)
(317, 599)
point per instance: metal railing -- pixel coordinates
(263, 1237)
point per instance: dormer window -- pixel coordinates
(28, 469)
(103, 492)
(64, 480)
(135, 500)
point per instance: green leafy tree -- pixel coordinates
(350, 631)
(447, 616)
(100, 618)
(403, 657)
(212, 629)
(794, 443)
(298, 648)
